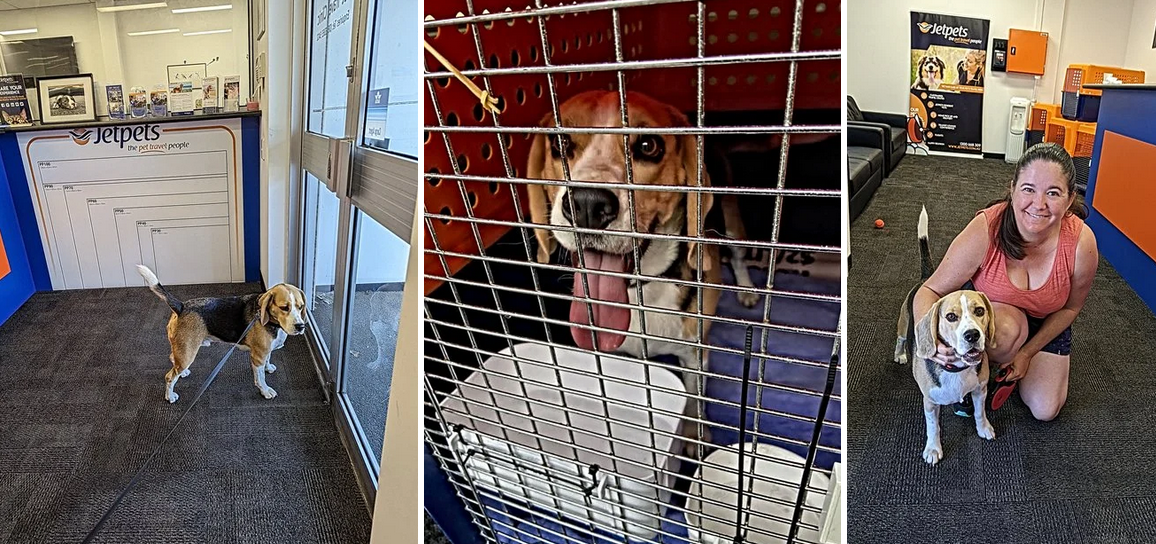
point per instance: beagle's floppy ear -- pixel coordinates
(539, 201)
(695, 214)
(927, 333)
(989, 334)
(263, 306)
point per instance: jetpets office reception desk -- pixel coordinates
(81, 205)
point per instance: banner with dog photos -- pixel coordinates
(948, 65)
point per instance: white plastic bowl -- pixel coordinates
(556, 482)
(720, 470)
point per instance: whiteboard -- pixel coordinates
(165, 195)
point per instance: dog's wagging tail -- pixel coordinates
(925, 269)
(159, 290)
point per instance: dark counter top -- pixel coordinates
(1124, 86)
(129, 121)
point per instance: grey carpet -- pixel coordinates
(81, 383)
(433, 533)
(1084, 477)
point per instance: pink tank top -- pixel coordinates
(992, 278)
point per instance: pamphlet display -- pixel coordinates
(181, 98)
(115, 99)
(209, 88)
(159, 98)
(138, 99)
(232, 92)
(14, 109)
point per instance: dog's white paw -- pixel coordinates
(185, 373)
(268, 393)
(748, 299)
(985, 430)
(932, 454)
(171, 396)
(270, 368)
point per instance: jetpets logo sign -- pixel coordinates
(80, 136)
(958, 34)
(949, 32)
(140, 138)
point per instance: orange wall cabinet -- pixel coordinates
(1027, 51)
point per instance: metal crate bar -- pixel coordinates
(691, 62)
(640, 235)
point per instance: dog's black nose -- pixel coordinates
(971, 335)
(593, 208)
(299, 326)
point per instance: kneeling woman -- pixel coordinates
(1034, 257)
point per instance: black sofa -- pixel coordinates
(894, 124)
(866, 164)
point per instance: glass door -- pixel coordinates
(358, 154)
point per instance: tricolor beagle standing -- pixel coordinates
(962, 320)
(278, 312)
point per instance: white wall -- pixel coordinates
(1140, 54)
(104, 49)
(78, 21)
(1094, 32)
(146, 58)
(1080, 32)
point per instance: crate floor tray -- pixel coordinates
(594, 440)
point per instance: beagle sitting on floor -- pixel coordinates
(962, 320)
(279, 312)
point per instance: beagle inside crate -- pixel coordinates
(274, 314)
(962, 320)
(655, 159)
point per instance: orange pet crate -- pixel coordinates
(664, 32)
(1085, 140)
(1041, 113)
(1079, 75)
(1063, 132)
(1080, 103)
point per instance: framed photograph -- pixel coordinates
(192, 73)
(66, 99)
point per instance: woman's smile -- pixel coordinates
(1040, 197)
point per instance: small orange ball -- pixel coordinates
(878, 223)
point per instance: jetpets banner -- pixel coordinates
(948, 65)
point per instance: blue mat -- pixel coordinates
(784, 311)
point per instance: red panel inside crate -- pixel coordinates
(661, 32)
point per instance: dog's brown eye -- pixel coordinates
(556, 151)
(979, 311)
(284, 308)
(951, 317)
(650, 147)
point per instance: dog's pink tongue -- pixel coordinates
(605, 288)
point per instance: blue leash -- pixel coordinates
(136, 477)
